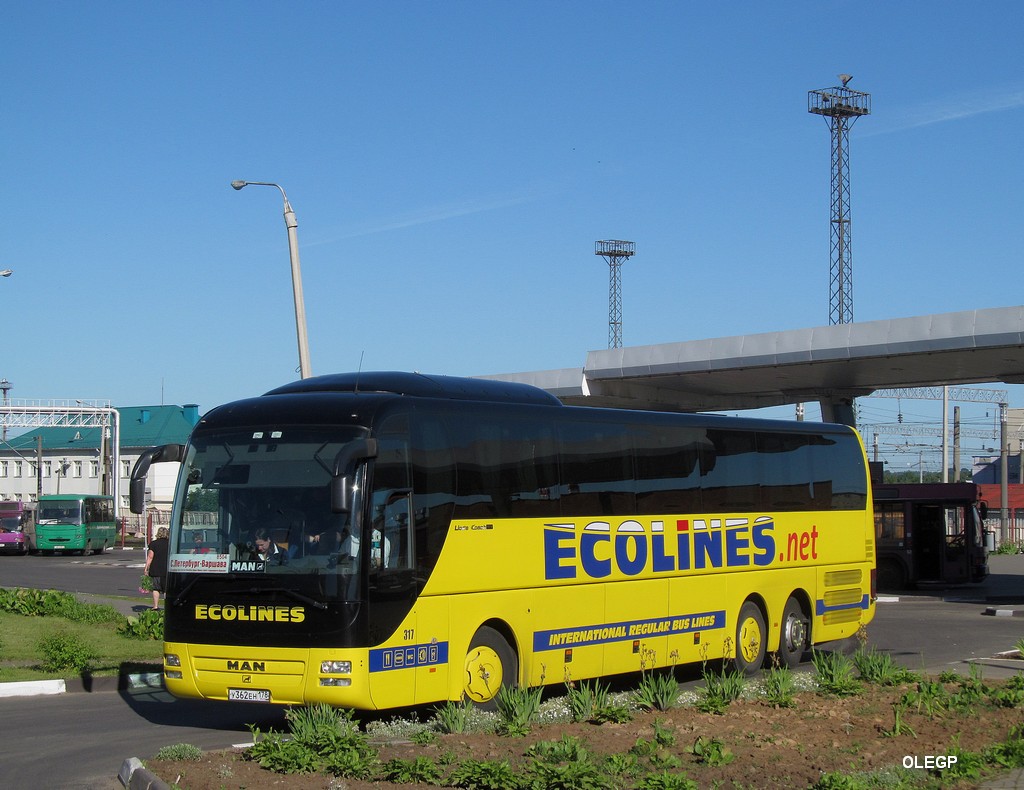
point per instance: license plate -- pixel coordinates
(249, 695)
(59, 547)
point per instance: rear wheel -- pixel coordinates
(490, 664)
(891, 575)
(750, 639)
(795, 638)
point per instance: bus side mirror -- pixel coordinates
(345, 463)
(154, 455)
(341, 489)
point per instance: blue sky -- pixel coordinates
(451, 165)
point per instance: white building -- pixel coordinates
(69, 460)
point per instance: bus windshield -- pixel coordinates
(256, 502)
(10, 524)
(63, 512)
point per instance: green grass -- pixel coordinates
(20, 656)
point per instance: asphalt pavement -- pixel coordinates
(1002, 594)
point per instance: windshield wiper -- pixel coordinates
(179, 599)
(293, 593)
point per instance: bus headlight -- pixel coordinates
(335, 682)
(172, 660)
(173, 674)
(335, 667)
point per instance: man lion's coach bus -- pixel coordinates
(389, 539)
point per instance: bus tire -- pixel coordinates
(490, 664)
(891, 575)
(101, 549)
(750, 639)
(795, 638)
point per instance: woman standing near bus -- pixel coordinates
(156, 565)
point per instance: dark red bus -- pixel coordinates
(929, 533)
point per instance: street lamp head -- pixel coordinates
(6, 272)
(238, 184)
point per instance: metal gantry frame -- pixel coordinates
(973, 395)
(17, 414)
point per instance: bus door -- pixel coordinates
(940, 547)
(389, 560)
(928, 541)
(957, 544)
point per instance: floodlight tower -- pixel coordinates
(841, 107)
(616, 253)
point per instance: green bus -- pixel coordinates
(75, 522)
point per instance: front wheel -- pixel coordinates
(490, 664)
(795, 638)
(750, 639)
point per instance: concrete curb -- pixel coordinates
(32, 688)
(135, 776)
(87, 685)
(992, 611)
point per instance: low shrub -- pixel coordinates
(181, 752)
(720, 690)
(657, 691)
(62, 652)
(147, 625)
(835, 673)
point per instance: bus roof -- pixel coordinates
(928, 491)
(424, 386)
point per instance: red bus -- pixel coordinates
(929, 533)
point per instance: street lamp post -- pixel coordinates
(293, 250)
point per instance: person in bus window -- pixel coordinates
(198, 547)
(380, 545)
(267, 549)
(349, 548)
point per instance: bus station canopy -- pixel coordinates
(831, 365)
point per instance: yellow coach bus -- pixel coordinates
(387, 539)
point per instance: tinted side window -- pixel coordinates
(597, 469)
(731, 472)
(506, 467)
(529, 473)
(390, 538)
(847, 472)
(433, 474)
(668, 469)
(795, 478)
